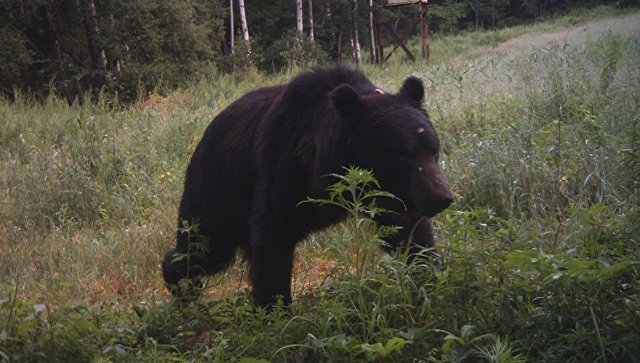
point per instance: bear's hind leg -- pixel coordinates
(271, 269)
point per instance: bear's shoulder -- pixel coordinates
(313, 87)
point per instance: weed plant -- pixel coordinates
(540, 253)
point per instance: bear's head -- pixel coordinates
(392, 135)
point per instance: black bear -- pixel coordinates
(272, 148)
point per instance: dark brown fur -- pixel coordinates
(270, 149)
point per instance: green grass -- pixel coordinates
(540, 249)
(462, 46)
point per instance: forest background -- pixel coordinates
(127, 48)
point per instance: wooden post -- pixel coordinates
(399, 43)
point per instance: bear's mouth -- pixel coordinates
(430, 214)
(404, 219)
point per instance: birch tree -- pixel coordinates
(299, 25)
(310, 16)
(355, 39)
(372, 33)
(98, 56)
(233, 29)
(475, 6)
(243, 21)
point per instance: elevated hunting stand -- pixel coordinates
(398, 41)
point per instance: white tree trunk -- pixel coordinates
(299, 16)
(372, 33)
(233, 29)
(310, 16)
(327, 11)
(329, 19)
(243, 21)
(356, 40)
(98, 55)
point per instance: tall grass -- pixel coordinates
(539, 252)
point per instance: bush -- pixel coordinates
(293, 50)
(244, 59)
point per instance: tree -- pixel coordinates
(15, 59)
(98, 55)
(231, 25)
(73, 47)
(475, 6)
(299, 26)
(77, 46)
(355, 39)
(243, 21)
(372, 33)
(446, 16)
(310, 16)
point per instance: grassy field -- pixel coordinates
(540, 127)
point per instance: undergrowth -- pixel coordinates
(540, 258)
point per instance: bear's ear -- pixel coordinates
(346, 100)
(412, 90)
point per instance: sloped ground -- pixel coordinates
(626, 25)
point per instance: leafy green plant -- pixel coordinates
(294, 50)
(501, 351)
(380, 351)
(460, 348)
(356, 193)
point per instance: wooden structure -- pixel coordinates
(398, 41)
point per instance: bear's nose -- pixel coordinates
(444, 202)
(439, 204)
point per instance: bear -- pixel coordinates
(273, 148)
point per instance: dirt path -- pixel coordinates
(626, 25)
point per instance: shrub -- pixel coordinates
(293, 50)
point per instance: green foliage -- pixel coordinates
(380, 351)
(356, 193)
(76, 49)
(447, 15)
(145, 45)
(159, 44)
(628, 3)
(294, 51)
(14, 59)
(459, 348)
(501, 352)
(631, 158)
(244, 59)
